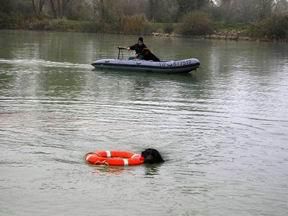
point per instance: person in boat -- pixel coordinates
(148, 55)
(138, 48)
(142, 52)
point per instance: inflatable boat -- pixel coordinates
(180, 66)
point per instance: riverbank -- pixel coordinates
(140, 26)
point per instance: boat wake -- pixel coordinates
(43, 63)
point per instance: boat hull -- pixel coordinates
(181, 66)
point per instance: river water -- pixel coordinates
(223, 129)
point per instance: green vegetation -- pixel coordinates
(133, 24)
(275, 27)
(196, 23)
(62, 25)
(258, 19)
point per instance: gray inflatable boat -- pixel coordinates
(180, 66)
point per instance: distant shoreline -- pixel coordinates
(65, 25)
(225, 35)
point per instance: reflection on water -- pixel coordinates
(222, 129)
(152, 170)
(109, 170)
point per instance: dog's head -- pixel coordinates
(152, 156)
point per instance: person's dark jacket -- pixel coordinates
(138, 48)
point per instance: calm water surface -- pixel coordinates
(223, 129)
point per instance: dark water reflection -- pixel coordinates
(223, 130)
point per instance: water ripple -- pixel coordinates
(43, 63)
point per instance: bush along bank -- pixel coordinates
(273, 28)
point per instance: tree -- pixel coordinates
(38, 6)
(186, 6)
(162, 10)
(58, 7)
(6, 6)
(281, 7)
(152, 9)
(245, 11)
(133, 7)
(264, 8)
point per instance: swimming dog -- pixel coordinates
(151, 156)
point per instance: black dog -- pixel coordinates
(152, 156)
(148, 55)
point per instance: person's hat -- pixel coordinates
(140, 39)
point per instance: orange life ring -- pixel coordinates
(114, 158)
